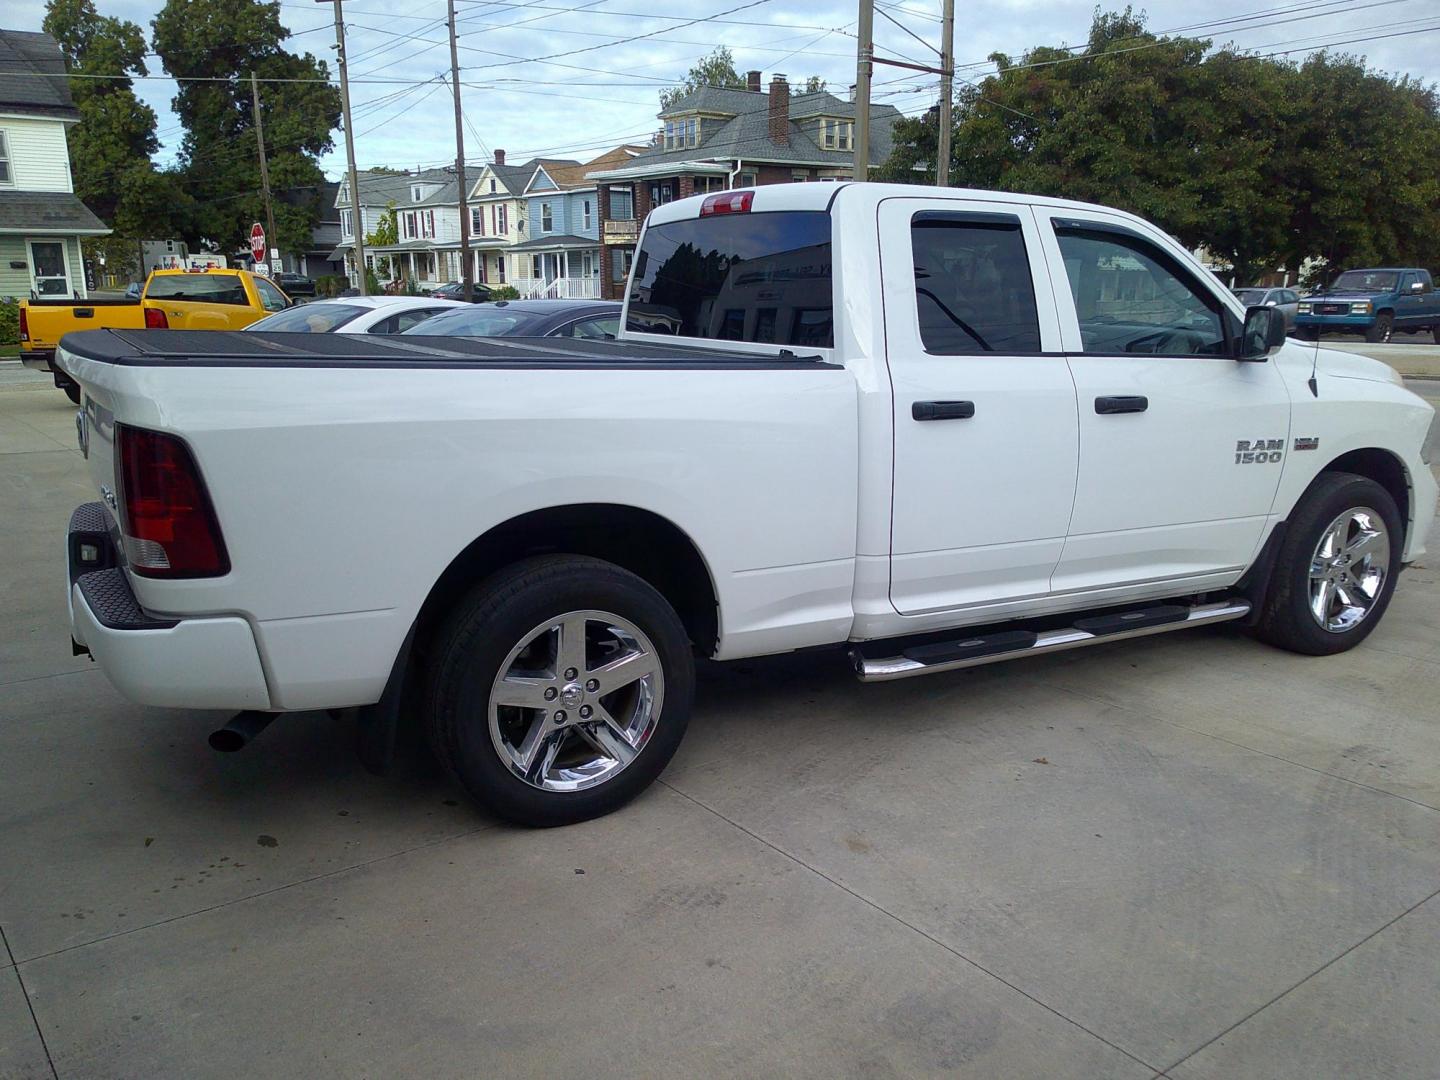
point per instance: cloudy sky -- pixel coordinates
(594, 89)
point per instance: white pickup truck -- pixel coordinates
(945, 427)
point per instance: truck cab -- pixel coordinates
(1378, 303)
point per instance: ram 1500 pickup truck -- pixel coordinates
(942, 427)
(213, 299)
(1378, 303)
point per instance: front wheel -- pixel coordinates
(1335, 572)
(560, 689)
(1383, 329)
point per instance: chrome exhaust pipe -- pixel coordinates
(243, 727)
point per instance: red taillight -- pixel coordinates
(727, 202)
(155, 319)
(169, 527)
(24, 326)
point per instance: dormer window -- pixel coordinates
(837, 134)
(416, 194)
(683, 133)
(492, 187)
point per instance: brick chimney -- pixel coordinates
(779, 110)
(752, 81)
(499, 157)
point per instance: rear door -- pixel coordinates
(984, 406)
(1180, 446)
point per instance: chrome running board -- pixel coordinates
(993, 647)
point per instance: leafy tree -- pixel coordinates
(386, 232)
(111, 146)
(815, 85)
(717, 69)
(227, 40)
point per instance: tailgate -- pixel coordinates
(48, 323)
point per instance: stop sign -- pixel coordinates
(257, 242)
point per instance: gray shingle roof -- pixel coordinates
(555, 240)
(29, 64)
(57, 211)
(379, 188)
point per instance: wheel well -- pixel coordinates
(642, 542)
(1385, 469)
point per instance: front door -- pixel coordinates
(1180, 446)
(49, 269)
(984, 408)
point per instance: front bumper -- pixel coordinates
(194, 663)
(1336, 322)
(39, 359)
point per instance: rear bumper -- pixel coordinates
(39, 359)
(195, 663)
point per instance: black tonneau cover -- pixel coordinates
(230, 348)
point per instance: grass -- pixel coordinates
(9, 351)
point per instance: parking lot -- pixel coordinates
(1190, 855)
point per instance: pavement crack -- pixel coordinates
(905, 923)
(1291, 989)
(25, 992)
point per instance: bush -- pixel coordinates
(331, 285)
(9, 320)
(372, 283)
(504, 292)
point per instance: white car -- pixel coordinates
(356, 315)
(940, 427)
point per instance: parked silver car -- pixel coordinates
(1287, 300)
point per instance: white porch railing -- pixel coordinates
(562, 288)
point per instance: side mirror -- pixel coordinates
(1262, 335)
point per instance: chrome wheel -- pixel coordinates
(576, 701)
(1349, 569)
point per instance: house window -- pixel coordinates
(347, 223)
(622, 205)
(500, 219)
(747, 179)
(492, 187)
(415, 194)
(837, 134)
(477, 220)
(662, 192)
(706, 184)
(410, 230)
(585, 216)
(429, 222)
(535, 270)
(7, 172)
(620, 261)
(500, 269)
(547, 223)
(680, 134)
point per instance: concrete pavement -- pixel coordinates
(1189, 855)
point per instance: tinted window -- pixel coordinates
(309, 318)
(742, 277)
(1131, 297)
(973, 291)
(1250, 297)
(479, 321)
(398, 324)
(1367, 281)
(206, 288)
(1289, 296)
(271, 298)
(597, 329)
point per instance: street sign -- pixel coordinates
(260, 268)
(257, 242)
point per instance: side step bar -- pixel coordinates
(1001, 645)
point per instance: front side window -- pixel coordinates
(271, 298)
(712, 277)
(973, 290)
(1132, 297)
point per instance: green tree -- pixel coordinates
(385, 233)
(717, 69)
(225, 41)
(111, 146)
(815, 85)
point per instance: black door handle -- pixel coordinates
(942, 410)
(1107, 406)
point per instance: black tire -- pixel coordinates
(72, 391)
(1435, 333)
(1382, 330)
(480, 634)
(1286, 620)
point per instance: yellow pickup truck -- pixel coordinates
(173, 300)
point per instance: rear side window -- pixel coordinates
(309, 318)
(973, 290)
(202, 288)
(738, 277)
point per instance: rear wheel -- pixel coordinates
(1435, 333)
(1383, 330)
(560, 690)
(1335, 572)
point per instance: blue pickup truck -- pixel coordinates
(1377, 303)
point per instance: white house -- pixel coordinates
(41, 220)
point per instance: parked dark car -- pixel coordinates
(295, 286)
(455, 290)
(597, 319)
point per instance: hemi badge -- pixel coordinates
(1307, 443)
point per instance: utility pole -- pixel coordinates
(947, 91)
(864, 51)
(271, 235)
(467, 267)
(357, 217)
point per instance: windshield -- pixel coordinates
(1366, 281)
(480, 321)
(738, 277)
(309, 318)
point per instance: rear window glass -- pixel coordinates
(973, 291)
(309, 319)
(205, 288)
(478, 322)
(738, 277)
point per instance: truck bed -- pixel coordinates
(231, 349)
